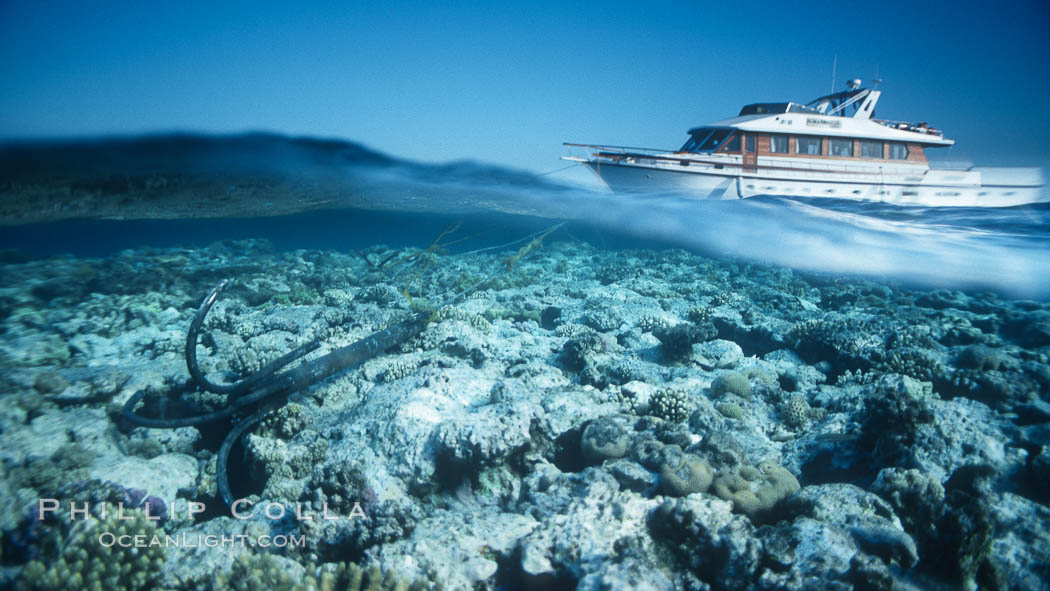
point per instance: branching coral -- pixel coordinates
(671, 404)
(264, 572)
(677, 341)
(93, 557)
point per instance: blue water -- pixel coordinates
(373, 198)
(69, 326)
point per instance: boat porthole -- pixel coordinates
(830, 191)
(1008, 193)
(771, 188)
(856, 192)
(983, 193)
(750, 186)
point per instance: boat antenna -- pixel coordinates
(876, 81)
(834, 66)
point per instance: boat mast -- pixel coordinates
(834, 66)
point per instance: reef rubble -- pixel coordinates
(588, 419)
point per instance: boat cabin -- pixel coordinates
(839, 126)
(727, 140)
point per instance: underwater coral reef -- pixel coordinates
(583, 418)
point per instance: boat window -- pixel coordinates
(841, 147)
(714, 140)
(778, 144)
(732, 144)
(869, 149)
(812, 146)
(696, 139)
(898, 151)
(750, 143)
(764, 109)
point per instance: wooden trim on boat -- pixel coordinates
(915, 153)
(762, 145)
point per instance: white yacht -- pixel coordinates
(831, 147)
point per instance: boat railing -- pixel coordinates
(958, 165)
(905, 126)
(621, 149)
(821, 166)
(662, 158)
(830, 166)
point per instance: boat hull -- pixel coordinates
(712, 184)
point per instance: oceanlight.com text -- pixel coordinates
(109, 539)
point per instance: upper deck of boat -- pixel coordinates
(839, 128)
(847, 114)
(834, 126)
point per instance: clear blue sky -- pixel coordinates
(438, 81)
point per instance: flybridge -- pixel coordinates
(863, 101)
(856, 103)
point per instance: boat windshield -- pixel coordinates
(773, 108)
(706, 139)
